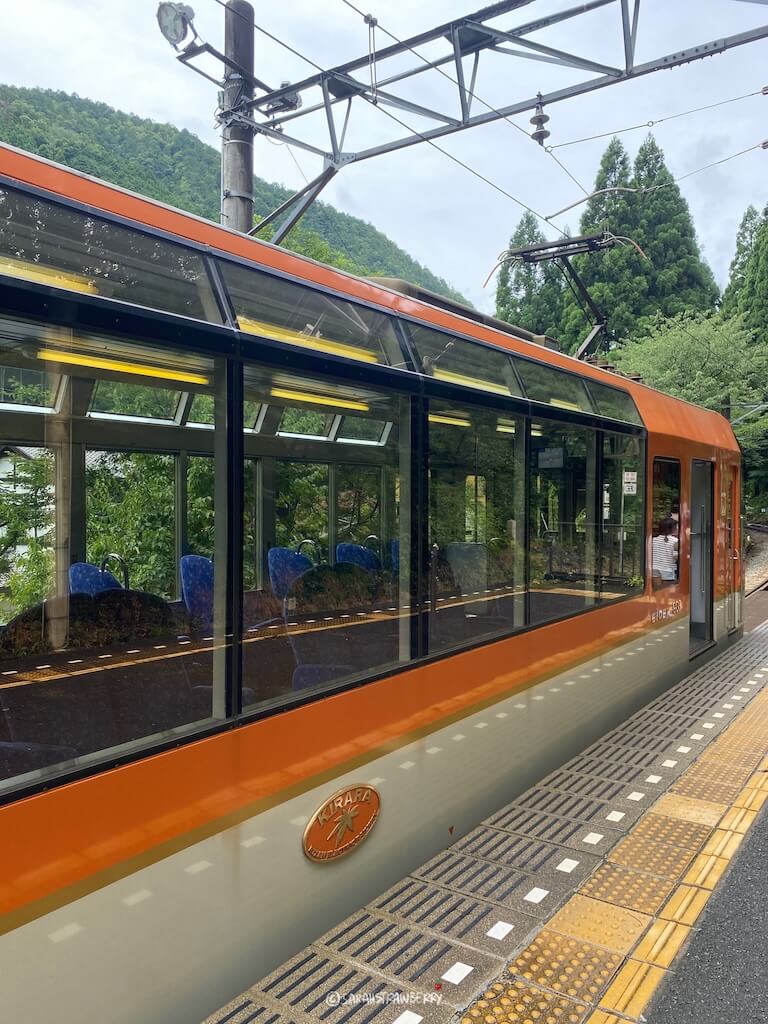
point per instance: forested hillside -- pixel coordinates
(175, 167)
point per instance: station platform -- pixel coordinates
(627, 885)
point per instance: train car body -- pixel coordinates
(271, 531)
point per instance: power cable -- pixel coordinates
(468, 91)
(269, 35)
(407, 127)
(659, 120)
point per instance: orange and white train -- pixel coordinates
(267, 532)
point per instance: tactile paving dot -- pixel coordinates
(689, 835)
(689, 809)
(628, 888)
(570, 966)
(517, 1002)
(705, 789)
(717, 771)
(594, 921)
(654, 857)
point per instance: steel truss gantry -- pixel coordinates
(281, 114)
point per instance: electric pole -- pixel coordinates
(237, 139)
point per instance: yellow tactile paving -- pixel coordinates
(516, 1002)
(706, 870)
(661, 943)
(626, 887)
(632, 988)
(759, 780)
(703, 812)
(738, 819)
(751, 799)
(673, 831)
(656, 858)
(576, 969)
(717, 771)
(705, 789)
(601, 1017)
(723, 844)
(600, 923)
(685, 904)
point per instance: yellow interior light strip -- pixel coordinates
(560, 403)
(330, 400)
(536, 430)
(505, 427)
(309, 341)
(470, 382)
(46, 275)
(450, 421)
(53, 355)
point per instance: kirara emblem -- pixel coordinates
(342, 823)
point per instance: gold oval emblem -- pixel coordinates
(342, 823)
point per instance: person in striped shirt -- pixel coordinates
(665, 551)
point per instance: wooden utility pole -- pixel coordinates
(237, 139)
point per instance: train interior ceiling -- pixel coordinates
(376, 526)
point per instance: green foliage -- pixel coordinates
(628, 288)
(530, 295)
(745, 243)
(26, 529)
(752, 297)
(175, 167)
(711, 361)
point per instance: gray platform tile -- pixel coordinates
(537, 895)
(612, 749)
(564, 831)
(323, 987)
(420, 960)
(601, 768)
(568, 781)
(245, 1011)
(616, 814)
(532, 855)
(467, 920)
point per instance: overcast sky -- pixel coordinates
(447, 219)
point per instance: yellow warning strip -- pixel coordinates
(631, 952)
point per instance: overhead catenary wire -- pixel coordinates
(470, 92)
(269, 35)
(658, 120)
(461, 163)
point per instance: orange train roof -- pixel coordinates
(661, 413)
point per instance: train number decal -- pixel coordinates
(672, 609)
(342, 823)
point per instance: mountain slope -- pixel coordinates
(175, 167)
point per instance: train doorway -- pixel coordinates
(730, 503)
(702, 481)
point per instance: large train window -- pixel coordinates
(562, 529)
(108, 624)
(292, 313)
(459, 361)
(546, 384)
(622, 530)
(476, 524)
(665, 545)
(334, 604)
(57, 245)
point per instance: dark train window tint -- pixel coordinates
(56, 245)
(622, 523)
(546, 384)
(272, 308)
(107, 621)
(476, 524)
(665, 546)
(459, 361)
(618, 405)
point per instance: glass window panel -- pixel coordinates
(89, 568)
(546, 384)
(619, 405)
(305, 422)
(622, 529)
(201, 411)
(328, 600)
(56, 245)
(123, 399)
(358, 428)
(292, 313)
(476, 520)
(665, 547)
(459, 361)
(562, 528)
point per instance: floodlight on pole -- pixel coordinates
(175, 21)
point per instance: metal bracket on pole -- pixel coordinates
(301, 201)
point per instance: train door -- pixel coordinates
(731, 552)
(702, 481)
